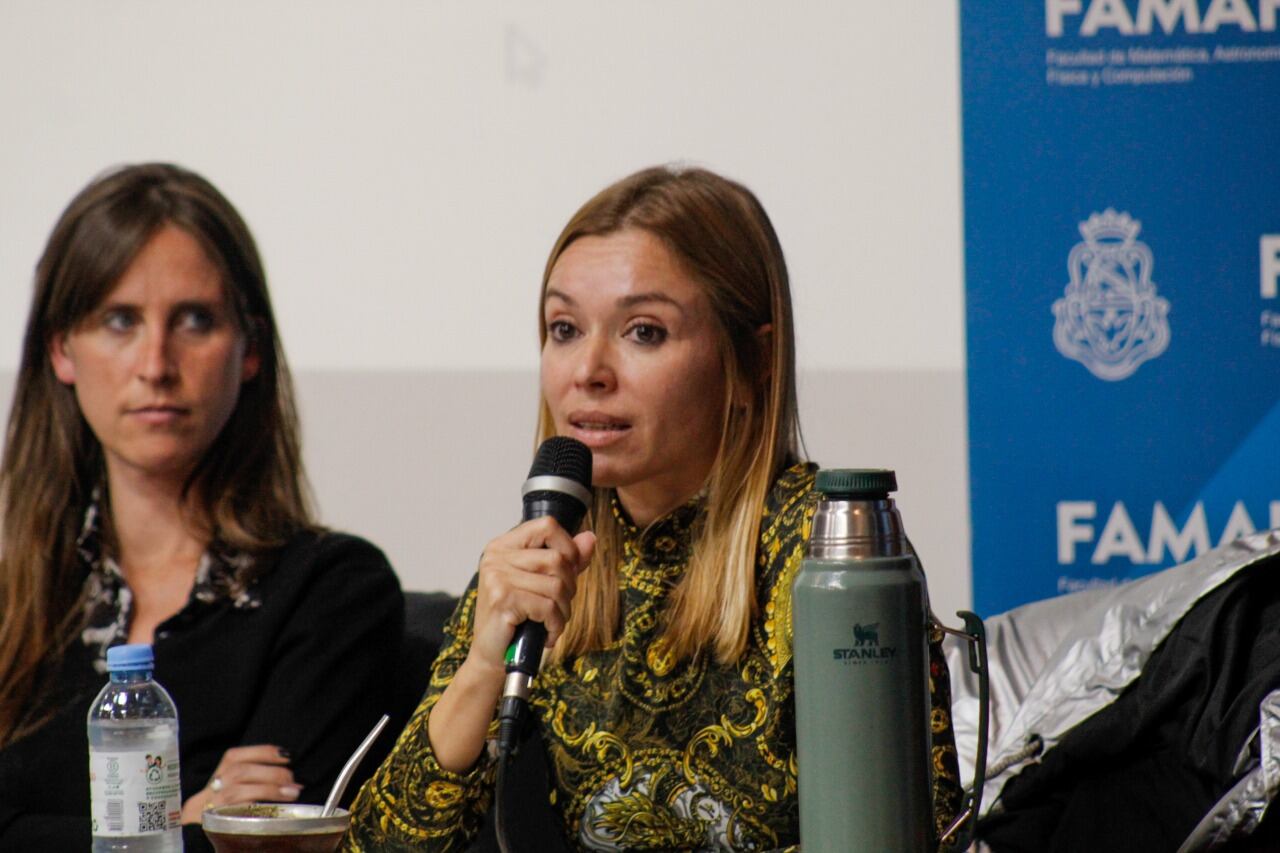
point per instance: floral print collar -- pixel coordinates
(223, 574)
(667, 540)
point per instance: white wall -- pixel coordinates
(406, 165)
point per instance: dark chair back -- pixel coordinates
(424, 616)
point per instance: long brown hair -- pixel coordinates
(248, 490)
(721, 234)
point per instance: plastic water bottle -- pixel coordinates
(134, 779)
(862, 680)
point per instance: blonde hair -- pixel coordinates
(249, 488)
(720, 233)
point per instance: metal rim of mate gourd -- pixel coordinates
(274, 819)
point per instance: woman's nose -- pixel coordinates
(155, 362)
(595, 369)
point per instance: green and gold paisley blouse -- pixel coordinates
(646, 753)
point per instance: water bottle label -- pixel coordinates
(134, 793)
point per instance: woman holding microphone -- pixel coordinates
(666, 699)
(151, 491)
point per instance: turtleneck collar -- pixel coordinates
(667, 540)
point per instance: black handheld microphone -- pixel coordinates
(559, 485)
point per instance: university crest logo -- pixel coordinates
(1109, 318)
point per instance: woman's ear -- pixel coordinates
(764, 334)
(251, 362)
(61, 359)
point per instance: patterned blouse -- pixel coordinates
(645, 753)
(108, 601)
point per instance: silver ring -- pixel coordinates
(215, 785)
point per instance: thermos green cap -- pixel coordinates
(856, 482)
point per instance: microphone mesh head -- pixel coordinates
(561, 456)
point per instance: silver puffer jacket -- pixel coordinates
(1056, 662)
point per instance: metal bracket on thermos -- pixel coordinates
(975, 636)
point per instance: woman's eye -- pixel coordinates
(119, 319)
(560, 330)
(196, 320)
(647, 334)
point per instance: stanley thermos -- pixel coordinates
(861, 623)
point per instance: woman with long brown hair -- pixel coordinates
(151, 491)
(666, 703)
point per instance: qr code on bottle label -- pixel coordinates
(152, 817)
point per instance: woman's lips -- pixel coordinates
(158, 415)
(598, 431)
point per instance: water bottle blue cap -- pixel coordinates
(132, 656)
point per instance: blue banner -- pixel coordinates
(1122, 253)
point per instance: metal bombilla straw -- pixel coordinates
(349, 769)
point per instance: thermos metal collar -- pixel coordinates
(855, 517)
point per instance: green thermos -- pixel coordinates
(861, 622)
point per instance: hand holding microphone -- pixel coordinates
(559, 486)
(528, 576)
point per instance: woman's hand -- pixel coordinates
(246, 774)
(529, 573)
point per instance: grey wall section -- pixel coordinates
(428, 465)
(914, 422)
